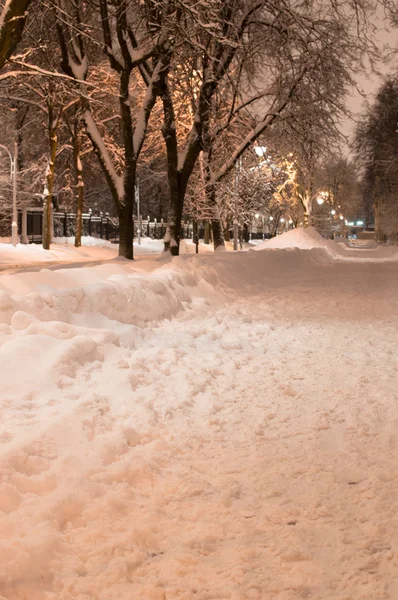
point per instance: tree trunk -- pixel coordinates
(379, 234)
(207, 232)
(126, 231)
(173, 233)
(195, 236)
(47, 216)
(178, 176)
(79, 216)
(246, 233)
(210, 192)
(21, 114)
(218, 234)
(48, 193)
(12, 21)
(79, 184)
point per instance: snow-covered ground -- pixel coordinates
(92, 250)
(63, 251)
(342, 249)
(222, 426)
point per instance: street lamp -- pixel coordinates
(322, 197)
(13, 177)
(258, 215)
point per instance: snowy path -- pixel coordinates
(246, 448)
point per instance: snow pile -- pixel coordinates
(86, 241)
(129, 298)
(340, 249)
(148, 246)
(188, 247)
(216, 426)
(306, 239)
(92, 250)
(31, 254)
(63, 251)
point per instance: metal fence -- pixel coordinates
(34, 224)
(100, 226)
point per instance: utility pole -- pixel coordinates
(137, 200)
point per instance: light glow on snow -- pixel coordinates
(201, 427)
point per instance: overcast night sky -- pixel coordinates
(369, 84)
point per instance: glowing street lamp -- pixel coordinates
(322, 197)
(258, 216)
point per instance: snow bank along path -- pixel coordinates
(342, 249)
(92, 250)
(216, 427)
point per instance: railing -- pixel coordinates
(100, 226)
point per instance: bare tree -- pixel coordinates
(307, 60)
(136, 36)
(12, 22)
(376, 144)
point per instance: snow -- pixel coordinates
(221, 426)
(31, 254)
(296, 238)
(92, 250)
(342, 249)
(63, 250)
(79, 69)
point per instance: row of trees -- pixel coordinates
(177, 92)
(376, 145)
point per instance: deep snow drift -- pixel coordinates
(213, 427)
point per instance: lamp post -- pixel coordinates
(13, 177)
(320, 198)
(258, 215)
